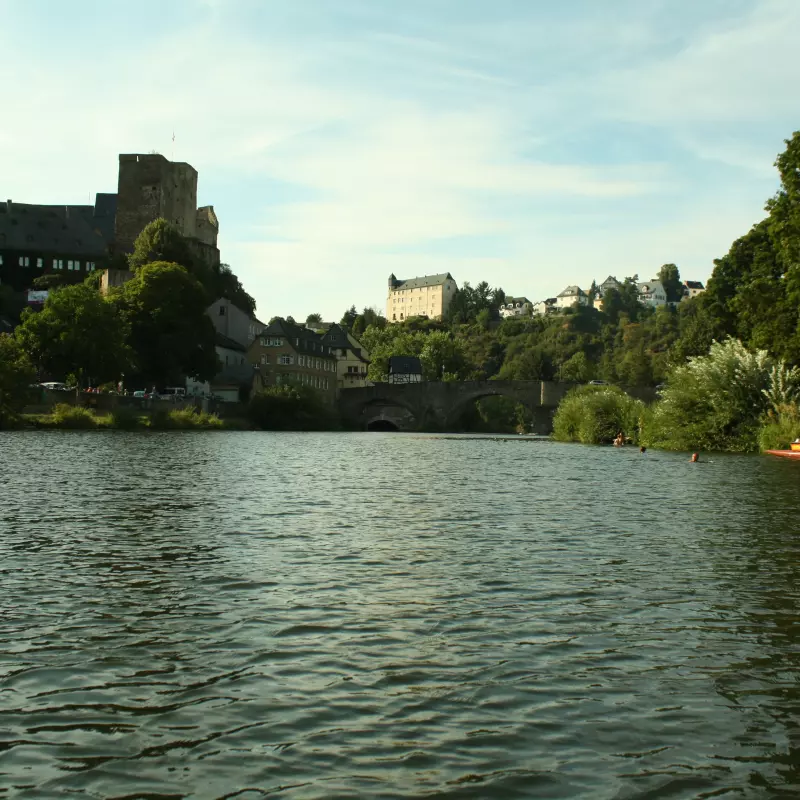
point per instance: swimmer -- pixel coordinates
(642, 449)
(695, 458)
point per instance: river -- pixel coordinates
(246, 615)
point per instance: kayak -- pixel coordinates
(784, 453)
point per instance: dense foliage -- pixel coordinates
(597, 414)
(289, 408)
(15, 375)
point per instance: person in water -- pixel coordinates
(642, 449)
(695, 458)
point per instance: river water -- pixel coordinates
(245, 615)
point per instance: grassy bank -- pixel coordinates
(67, 417)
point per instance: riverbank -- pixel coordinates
(68, 417)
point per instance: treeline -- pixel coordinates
(151, 331)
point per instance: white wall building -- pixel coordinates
(652, 293)
(543, 307)
(516, 307)
(570, 296)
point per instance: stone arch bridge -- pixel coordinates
(438, 406)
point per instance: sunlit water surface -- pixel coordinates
(244, 615)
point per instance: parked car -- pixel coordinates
(142, 394)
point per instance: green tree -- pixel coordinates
(16, 373)
(161, 241)
(225, 284)
(348, 318)
(670, 278)
(313, 319)
(292, 408)
(577, 368)
(170, 333)
(79, 333)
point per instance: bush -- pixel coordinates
(72, 417)
(717, 402)
(125, 419)
(780, 427)
(596, 414)
(290, 408)
(184, 419)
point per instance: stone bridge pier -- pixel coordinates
(438, 406)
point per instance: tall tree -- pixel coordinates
(171, 335)
(78, 333)
(670, 278)
(313, 319)
(15, 375)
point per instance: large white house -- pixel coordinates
(570, 296)
(652, 293)
(428, 296)
(516, 307)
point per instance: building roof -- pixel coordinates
(648, 287)
(229, 344)
(299, 338)
(693, 284)
(425, 280)
(337, 336)
(610, 281)
(405, 365)
(58, 230)
(515, 300)
(572, 291)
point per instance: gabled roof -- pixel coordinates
(425, 280)
(647, 287)
(336, 336)
(405, 365)
(572, 291)
(515, 300)
(693, 284)
(298, 338)
(229, 344)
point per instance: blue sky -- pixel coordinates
(529, 143)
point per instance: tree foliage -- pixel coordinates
(290, 408)
(170, 333)
(77, 333)
(16, 373)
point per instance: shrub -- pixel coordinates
(184, 419)
(780, 427)
(717, 402)
(125, 419)
(72, 417)
(596, 414)
(290, 408)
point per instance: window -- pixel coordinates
(222, 311)
(39, 262)
(70, 264)
(1, 261)
(271, 341)
(286, 360)
(90, 266)
(77, 265)
(24, 261)
(301, 361)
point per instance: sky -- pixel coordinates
(527, 143)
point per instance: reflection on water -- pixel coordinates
(316, 615)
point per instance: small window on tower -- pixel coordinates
(222, 311)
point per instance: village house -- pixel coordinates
(352, 359)
(405, 369)
(692, 289)
(570, 296)
(516, 307)
(544, 307)
(428, 296)
(652, 293)
(285, 353)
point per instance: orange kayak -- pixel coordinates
(785, 453)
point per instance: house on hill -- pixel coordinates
(428, 296)
(405, 369)
(516, 307)
(570, 296)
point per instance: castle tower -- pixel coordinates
(151, 186)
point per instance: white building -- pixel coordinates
(543, 307)
(570, 296)
(652, 293)
(428, 296)
(609, 283)
(516, 307)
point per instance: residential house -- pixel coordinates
(428, 296)
(692, 289)
(652, 293)
(544, 307)
(285, 353)
(570, 296)
(233, 323)
(516, 307)
(234, 380)
(352, 359)
(405, 369)
(609, 283)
